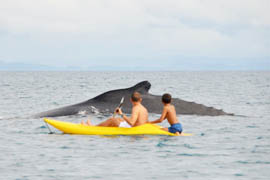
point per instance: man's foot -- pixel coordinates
(177, 134)
(89, 123)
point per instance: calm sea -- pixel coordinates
(222, 147)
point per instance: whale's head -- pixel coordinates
(142, 87)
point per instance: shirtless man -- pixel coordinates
(169, 113)
(138, 117)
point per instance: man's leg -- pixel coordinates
(89, 122)
(86, 124)
(112, 122)
(167, 129)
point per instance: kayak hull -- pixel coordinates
(72, 128)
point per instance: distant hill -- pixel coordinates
(4, 66)
(187, 64)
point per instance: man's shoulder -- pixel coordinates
(166, 107)
(136, 108)
(169, 107)
(139, 107)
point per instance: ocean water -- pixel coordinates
(223, 147)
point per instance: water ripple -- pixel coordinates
(192, 154)
(189, 146)
(28, 152)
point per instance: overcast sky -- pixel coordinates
(137, 33)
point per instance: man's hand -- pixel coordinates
(119, 111)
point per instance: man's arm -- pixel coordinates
(162, 117)
(134, 116)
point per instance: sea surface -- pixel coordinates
(222, 147)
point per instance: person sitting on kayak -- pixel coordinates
(138, 117)
(169, 113)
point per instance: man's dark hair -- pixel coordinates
(166, 98)
(135, 97)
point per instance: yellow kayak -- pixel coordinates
(72, 128)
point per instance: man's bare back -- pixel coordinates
(139, 115)
(170, 112)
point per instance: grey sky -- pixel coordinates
(156, 33)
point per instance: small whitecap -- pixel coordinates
(82, 112)
(94, 110)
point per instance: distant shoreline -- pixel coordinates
(132, 70)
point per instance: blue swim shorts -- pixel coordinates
(175, 128)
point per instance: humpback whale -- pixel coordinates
(106, 103)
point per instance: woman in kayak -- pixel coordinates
(169, 113)
(139, 115)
